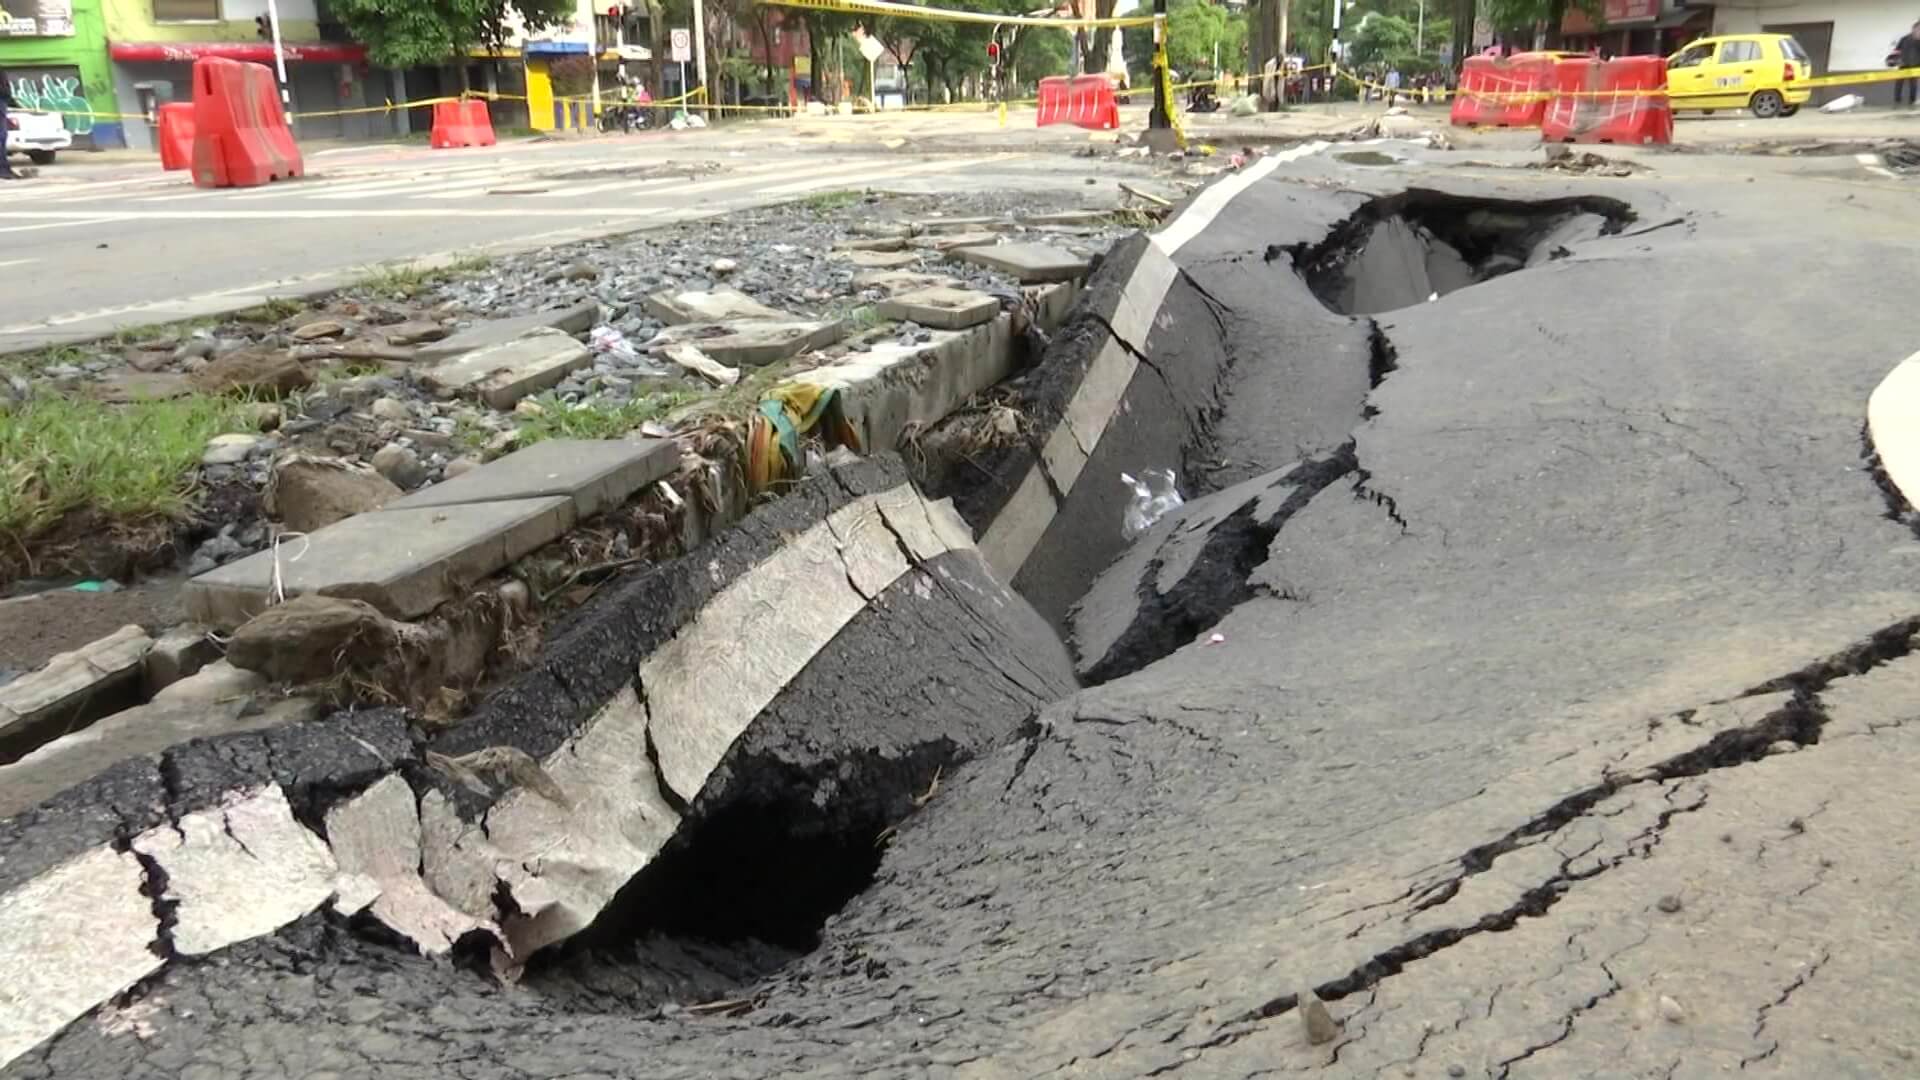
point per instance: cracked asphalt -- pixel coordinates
(1567, 737)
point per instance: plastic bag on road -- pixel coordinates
(1152, 498)
(609, 342)
(1843, 103)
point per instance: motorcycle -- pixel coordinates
(624, 117)
(1202, 99)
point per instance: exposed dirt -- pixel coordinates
(34, 628)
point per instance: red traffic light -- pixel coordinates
(613, 12)
(993, 50)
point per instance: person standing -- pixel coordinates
(1907, 91)
(1393, 87)
(6, 102)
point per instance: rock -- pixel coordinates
(194, 349)
(265, 415)
(133, 386)
(1670, 1010)
(252, 371)
(877, 243)
(309, 638)
(218, 682)
(942, 307)
(1668, 903)
(319, 328)
(1456, 1070)
(309, 493)
(1319, 1023)
(391, 409)
(460, 466)
(1782, 746)
(878, 260)
(177, 654)
(414, 333)
(724, 266)
(401, 465)
(229, 449)
(582, 271)
(149, 361)
(754, 342)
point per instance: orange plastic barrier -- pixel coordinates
(1496, 92)
(1085, 101)
(1608, 102)
(240, 133)
(1053, 100)
(176, 135)
(462, 123)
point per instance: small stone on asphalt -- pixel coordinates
(1670, 1010)
(1668, 903)
(1314, 1016)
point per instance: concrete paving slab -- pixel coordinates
(679, 307)
(965, 224)
(597, 474)
(1030, 264)
(502, 374)
(73, 688)
(577, 319)
(898, 281)
(942, 308)
(949, 241)
(406, 563)
(1068, 217)
(755, 342)
(878, 260)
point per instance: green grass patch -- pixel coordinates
(123, 461)
(597, 419)
(821, 202)
(400, 282)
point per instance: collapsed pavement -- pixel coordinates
(1562, 738)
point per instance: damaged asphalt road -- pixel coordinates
(1560, 732)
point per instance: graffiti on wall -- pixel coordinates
(36, 18)
(56, 89)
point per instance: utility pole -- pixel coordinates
(700, 52)
(1161, 118)
(280, 60)
(1420, 33)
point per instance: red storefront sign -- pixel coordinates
(1619, 11)
(166, 52)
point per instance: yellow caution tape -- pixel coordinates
(1510, 96)
(913, 11)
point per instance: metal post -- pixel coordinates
(1420, 33)
(700, 49)
(280, 61)
(1161, 118)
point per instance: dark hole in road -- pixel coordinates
(1405, 249)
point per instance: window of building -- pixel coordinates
(186, 10)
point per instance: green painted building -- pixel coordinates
(55, 55)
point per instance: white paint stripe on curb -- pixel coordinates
(1021, 523)
(1893, 423)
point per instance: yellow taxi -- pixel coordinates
(1762, 72)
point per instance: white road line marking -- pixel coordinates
(1207, 205)
(652, 183)
(71, 217)
(885, 173)
(63, 223)
(16, 262)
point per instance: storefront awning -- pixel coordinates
(259, 52)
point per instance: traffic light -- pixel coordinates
(262, 28)
(613, 11)
(993, 51)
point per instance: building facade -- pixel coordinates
(1842, 36)
(55, 56)
(152, 45)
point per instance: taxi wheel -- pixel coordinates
(40, 157)
(1767, 104)
(1789, 110)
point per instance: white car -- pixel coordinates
(40, 135)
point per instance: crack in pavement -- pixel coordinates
(1799, 720)
(1760, 1016)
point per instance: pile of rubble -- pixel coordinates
(419, 538)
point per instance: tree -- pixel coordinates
(430, 32)
(1196, 27)
(1380, 37)
(1522, 17)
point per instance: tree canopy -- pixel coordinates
(416, 32)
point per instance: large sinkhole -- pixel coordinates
(1419, 245)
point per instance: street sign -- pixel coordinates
(682, 44)
(871, 48)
